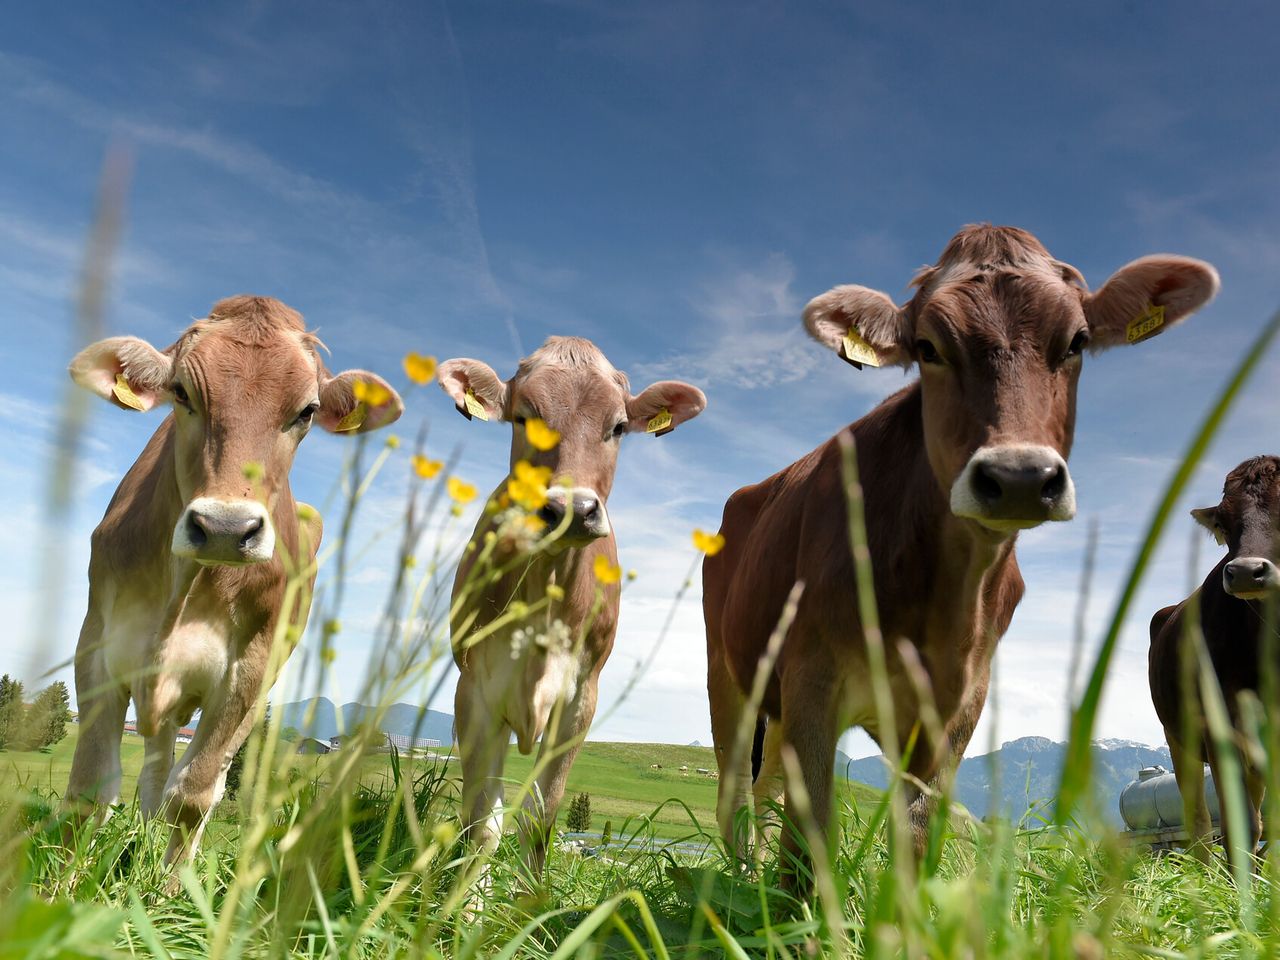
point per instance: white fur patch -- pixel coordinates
(231, 511)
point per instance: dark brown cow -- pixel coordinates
(952, 466)
(187, 575)
(537, 676)
(1232, 619)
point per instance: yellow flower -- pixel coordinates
(460, 491)
(540, 435)
(374, 394)
(418, 368)
(708, 543)
(253, 471)
(631, 575)
(393, 442)
(605, 571)
(328, 654)
(528, 485)
(425, 468)
(555, 591)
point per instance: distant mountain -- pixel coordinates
(318, 717)
(1027, 771)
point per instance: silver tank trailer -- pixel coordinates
(1153, 801)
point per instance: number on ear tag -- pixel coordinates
(857, 350)
(124, 393)
(1145, 324)
(660, 423)
(474, 406)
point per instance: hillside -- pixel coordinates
(318, 717)
(1026, 771)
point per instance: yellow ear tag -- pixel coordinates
(858, 350)
(353, 420)
(1145, 323)
(474, 406)
(124, 393)
(660, 421)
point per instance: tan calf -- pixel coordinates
(537, 677)
(187, 574)
(952, 467)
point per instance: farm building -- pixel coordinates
(312, 746)
(403, 743)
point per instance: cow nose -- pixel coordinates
(1249, 576)
(552, 512)
(1013, 487)
(212, 530)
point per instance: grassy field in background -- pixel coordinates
(618, 776)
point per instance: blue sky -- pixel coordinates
(674, 181)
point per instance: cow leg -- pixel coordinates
(769, 788)
(556, 754)
(197, 780)
(810, 728)
(728, 714)
(95, 767)
(1188, 770)
(157, 764)
(482, 744)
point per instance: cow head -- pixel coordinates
(569, 385)
(245, 384)
(1247, 522)
(999, 330)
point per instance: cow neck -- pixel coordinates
(910, 523)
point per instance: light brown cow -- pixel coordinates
(952, 467)
(537, 677)
(187, 574)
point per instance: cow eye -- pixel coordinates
(180, 396)
(519, 420)
(1078, 343)
(303, 419)
(927, 352)
(619, 428)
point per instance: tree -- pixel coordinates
(606, 836)
(11, 711)
(45, 720)
(290, 734)
(579, 818)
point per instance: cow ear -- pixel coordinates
(861, 325)
(474, 387)
(357, 401)
(1207, 517)
(661, 408)
(1146, 298)
(129, 372)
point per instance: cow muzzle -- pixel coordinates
(1250, 578)
(213, 532)
(1014, 487)
(586, 515)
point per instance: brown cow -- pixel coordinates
(187, 573)
(1231, 601)
(537, 677)
(952, 467)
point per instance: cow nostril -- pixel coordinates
(196, 532)
(251, 532)
(985, 485)
(589, 508)
(551, 513)
(1056, 485)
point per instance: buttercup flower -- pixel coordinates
(605, 571)
(374, 394)
(555, 591)
(425, 468)
(460, 491)
(541, 436)
(418, 368)
(528, 485)
(708, 543)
